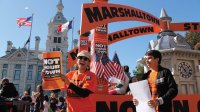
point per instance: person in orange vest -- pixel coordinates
(80, 84)
(162, 85)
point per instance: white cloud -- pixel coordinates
(26, 8)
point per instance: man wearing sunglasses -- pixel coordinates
(80, 84)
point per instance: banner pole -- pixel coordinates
(27, 53)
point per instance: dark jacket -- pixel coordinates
(166, 88)
(53, 103)
(26, 98)
(39, 102)
(8, 90)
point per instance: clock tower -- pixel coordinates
(58, 41)
(178, 57)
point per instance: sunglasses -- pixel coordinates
(82, 57)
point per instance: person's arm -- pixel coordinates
(83, 92)
(173, 90)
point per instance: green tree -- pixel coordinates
(138, 71)
(192, 38)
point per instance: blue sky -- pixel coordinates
(129, 51)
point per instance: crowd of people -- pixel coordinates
(37, 100)
(81, 82)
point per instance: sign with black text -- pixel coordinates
(52, 64)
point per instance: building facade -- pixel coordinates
(22, 66)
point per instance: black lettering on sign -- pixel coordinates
(181, 107)
(52, 67)
(100, 48)
(114, 11)
(51, 61)
(127, 105)
(129, 32)
(195, 25)
(101, 106)
(102, 29)
(74, 54)
(106, 13)
(94, 15)
(189, 26)
(83, 42)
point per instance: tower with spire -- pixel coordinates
(57, 41)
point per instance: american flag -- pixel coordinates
(120, 70)
(109, 69)
(97, 66)
(24, 21)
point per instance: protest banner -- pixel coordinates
(52, 63)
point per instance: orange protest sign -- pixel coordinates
(52, 62)
(71, 56)
(96, 14)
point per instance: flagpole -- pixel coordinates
(27, 53)
(72, 34)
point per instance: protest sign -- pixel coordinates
(52, 63)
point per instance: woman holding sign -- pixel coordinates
(80, 84)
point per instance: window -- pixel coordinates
(29, 77)
(57, 39)
(4, 70)
(18, 66)
(4, 73)
(58, 17)
(18, 55)
(5, 65)
(17, 87)
(17, 74)
(39, 78)
(56, 49)
(30, 67)
(30, 72)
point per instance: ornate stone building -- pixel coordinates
(13, 63)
